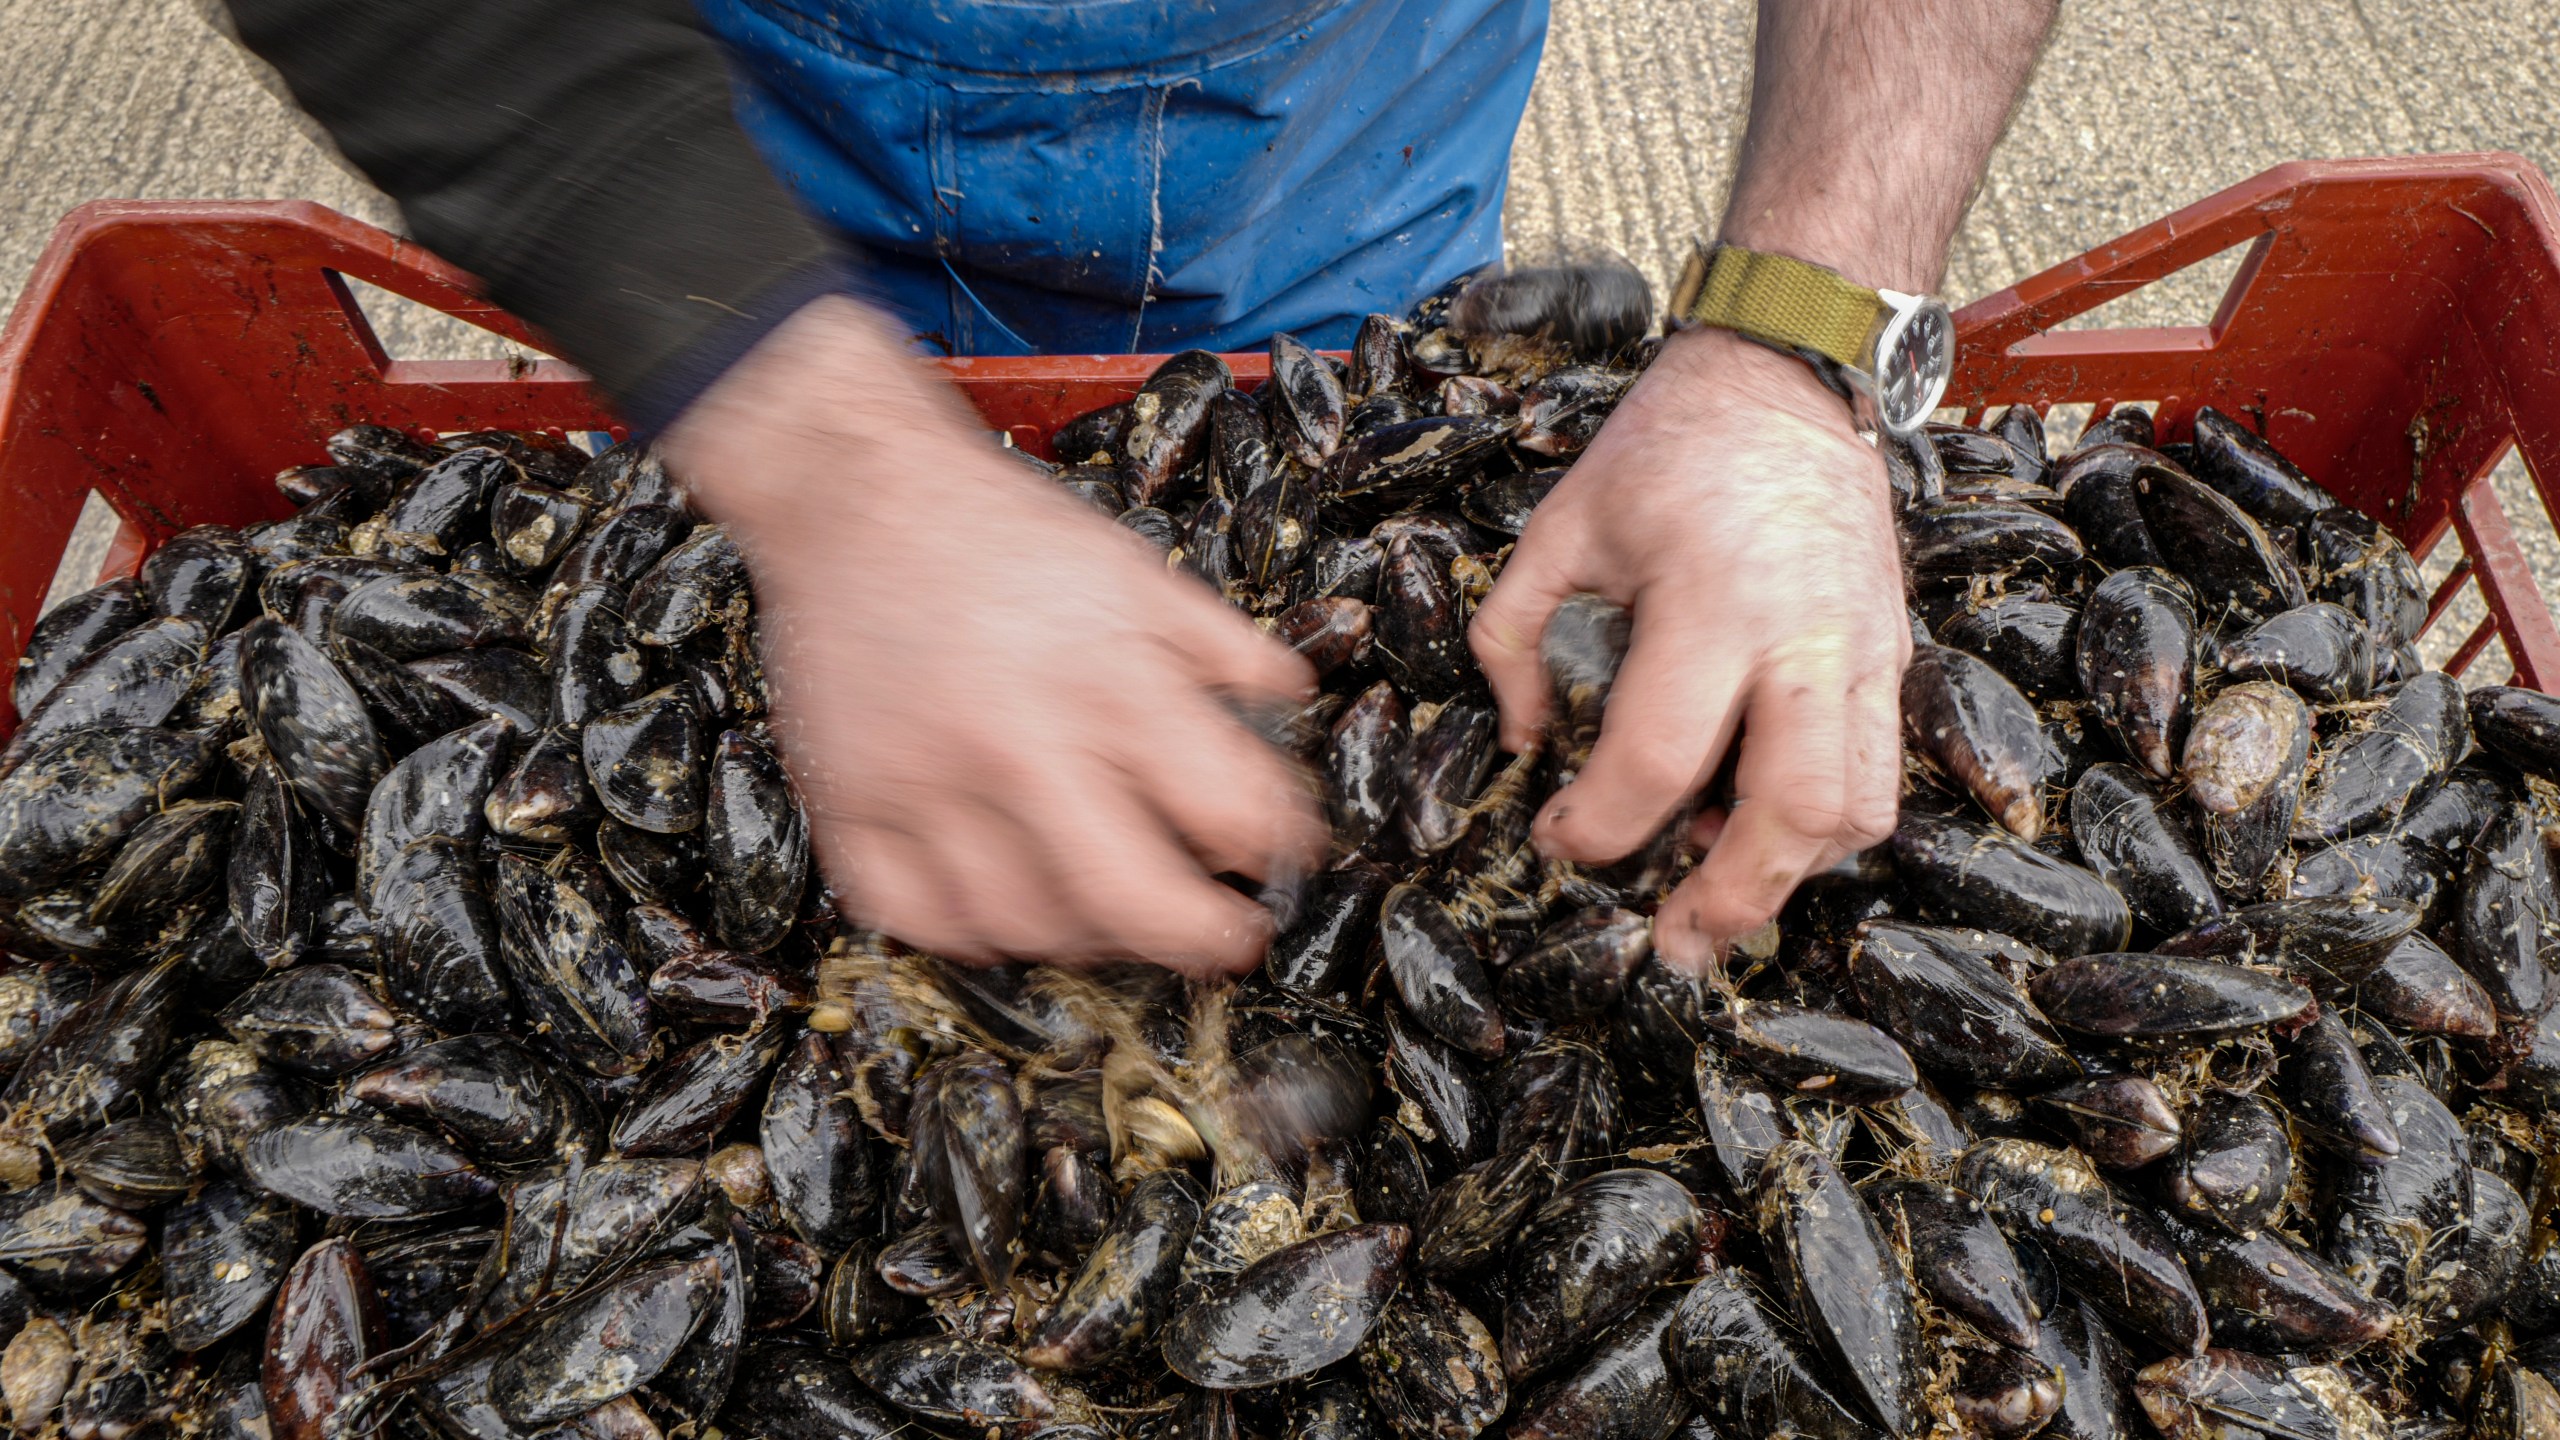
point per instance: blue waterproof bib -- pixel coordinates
(1140, 175)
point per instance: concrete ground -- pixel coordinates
(2136, 110)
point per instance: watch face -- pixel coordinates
(1916, 355)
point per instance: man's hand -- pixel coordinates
(1006, 715)
(1731, 507)
(1728, 502)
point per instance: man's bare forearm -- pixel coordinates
(1870, 126)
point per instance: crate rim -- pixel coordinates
(2008, 340)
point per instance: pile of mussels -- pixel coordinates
(422, 1019)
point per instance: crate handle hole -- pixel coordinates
(103, 546)
(2200, 294)
(404, 329)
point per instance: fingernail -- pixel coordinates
(1683, 947)
(1758, 943)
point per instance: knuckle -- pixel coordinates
(1814, 817)
(1869, 824)
(1657, 766)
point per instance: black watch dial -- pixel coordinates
(1914, 359)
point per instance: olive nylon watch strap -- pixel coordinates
(1783, 302)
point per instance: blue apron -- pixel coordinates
(1140, 175)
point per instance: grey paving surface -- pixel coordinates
(2137, 109)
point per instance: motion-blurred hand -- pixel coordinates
(1005, 713)
(1730, 505)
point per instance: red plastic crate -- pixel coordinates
(2395, 328)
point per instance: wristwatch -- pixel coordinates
(1888, 352)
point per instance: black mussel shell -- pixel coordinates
(1169, 421)
(2096, 483)
(222, 1254)
(407, 707)
(1735, 1352)
(489, 680)
(318, 1020)
(364, 1169)
(2234, 1163)
(1985, 877)
(70, 633)
(802, 1392)
(136, 679)
(2031, 642)
(1816, 1053)
(2327, 942)
(756, 845)
(1437, 972)
(1120, 1295)
(2330, 1092)
(502, 1102)
(2136, 659)
(602, 1344)
(693, 1094)
(949, 1378)
(1587, 1258)
(440, 508)
(544, 797)
(590, 661)
(821, 1161)
(2420, 989)
(325, 1327)
(1579, 965)
(2216, 547)
(2163, 998)
(1958, 1255)
(564, 1227)
(2504, 920)
(440, 789)
(406, 616)
(647, 760)
(1624, 1387)
(2232, 1393)
(1934, 990)
(701, 581)
(2519, 726)
(2143, 847)
(1967, 718)
(2397, 1219)
(2368, 777)
(534, 524)
(1365, 768)
(70, 803)
(438, 939)
(1406, 462)
(967, 1151)
(1291, 1313)
(569, 969)
(1952, 542)
(2251, 474)
(1834, 1264)
(1315, 955)
(168, 859)
(2112, 1252)
(2320, 650)
(313, 722)
(202, 574)
(133, 1164)
(276, 877)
